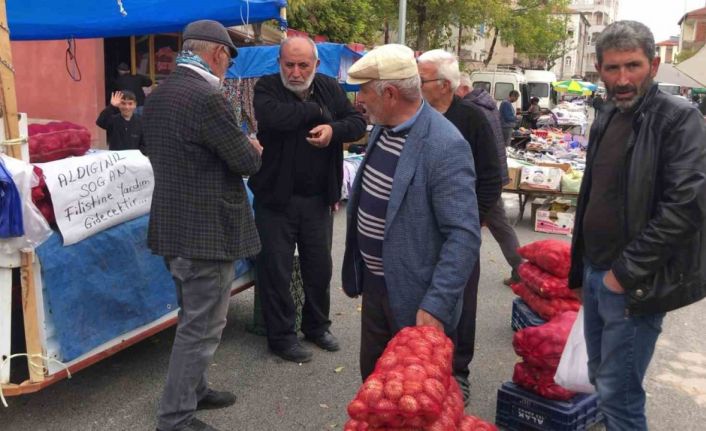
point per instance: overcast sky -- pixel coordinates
(661, 16)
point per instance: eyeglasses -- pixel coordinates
(424, 81)
(230, 59)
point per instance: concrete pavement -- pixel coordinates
(121, 393)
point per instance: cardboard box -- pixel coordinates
(514, 175)
(536, 204)
(558, 222)
(541, 178)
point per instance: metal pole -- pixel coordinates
(403, 21)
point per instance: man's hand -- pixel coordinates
(320, 136)
(115, 98)
(426, 319)
(612, 283)
(256, 145)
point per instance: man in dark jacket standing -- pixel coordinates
(638, 247)
(200, 219)
(303, 120)
(128, 81)
(496, 219)
(439, 75)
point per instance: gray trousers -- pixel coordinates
(504, 234)
(203, 293)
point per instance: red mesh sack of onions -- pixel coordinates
(541, 346)
(551, 255)
(544, 283)
(540, 381)
(410, 384)
(546, 308)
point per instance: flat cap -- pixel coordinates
(390, 61)
(212, 31)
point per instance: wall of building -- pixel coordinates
(46, 91)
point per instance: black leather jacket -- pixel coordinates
(663, 266)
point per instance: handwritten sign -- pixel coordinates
(94, 192)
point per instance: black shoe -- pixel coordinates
(326, 341)
(465, 386)
(295, 353)
(513, 279)
(216, 400)
(196, 425)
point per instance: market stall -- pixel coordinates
(91, 287)
(547, 173)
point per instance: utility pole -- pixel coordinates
(403, 21)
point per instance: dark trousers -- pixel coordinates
(305, 223)
(203, 294)
(465, 335)
(377, 325)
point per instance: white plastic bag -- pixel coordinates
(572, 372)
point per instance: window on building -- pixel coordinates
(567, 62)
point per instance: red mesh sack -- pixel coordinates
(539, 381)
(472, 423)
(546, 308)
(56, 141)
(410, 382)
(551, 255)
(541, 346)
(544, 283)
(42, 198)
(452, 410)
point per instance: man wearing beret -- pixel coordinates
(303, 120)
(413, 233)
(200, 219)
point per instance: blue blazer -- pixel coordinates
(432, 232)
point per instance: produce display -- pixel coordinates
(57, 140)
(412, 387)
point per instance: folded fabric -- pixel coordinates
(10, 206)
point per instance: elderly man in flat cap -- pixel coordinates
(200, 219)
(413, 231)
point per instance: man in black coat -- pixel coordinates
(440, 75)
(133, 83)
(200, 219)
(124, 129)
(303, 120)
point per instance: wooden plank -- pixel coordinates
(31, 318)
(7, 86)
(133, 55)
(5, 321)
(151, 57)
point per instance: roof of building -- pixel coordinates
(698, 13)
(668, 42)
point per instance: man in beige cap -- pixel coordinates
(412, 216)
(200, 219)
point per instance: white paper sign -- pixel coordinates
(97, 191)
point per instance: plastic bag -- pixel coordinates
(571, 182)
(551, 255)
(572, 372)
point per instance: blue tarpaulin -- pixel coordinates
(104, 286)
(256, 61)
(51, 19)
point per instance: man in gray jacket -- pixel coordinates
(200, 219)
(413, 231)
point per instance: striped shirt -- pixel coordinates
(377, 178)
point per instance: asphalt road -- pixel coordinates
(121, 393)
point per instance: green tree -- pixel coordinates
(340, 20)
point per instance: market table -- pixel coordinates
(528, 194)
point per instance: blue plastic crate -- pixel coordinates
(523, 316)
(520, 410)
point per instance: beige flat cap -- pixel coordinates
(390, 61)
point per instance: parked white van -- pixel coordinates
(539, 84)
(499, 81)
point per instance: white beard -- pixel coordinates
(297, 88)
